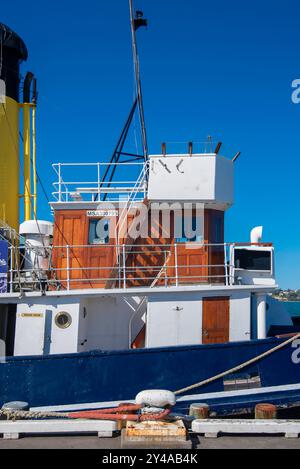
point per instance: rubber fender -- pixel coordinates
(156, 398)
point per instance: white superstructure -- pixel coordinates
(112, 290)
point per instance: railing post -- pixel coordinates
(176, 264)
(68, 268)
(225, 265)
(165, 269)
(11, 270)
(59, 182)
(98, 177)
(231, 266)
(124, 265)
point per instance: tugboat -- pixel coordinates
(132, 285)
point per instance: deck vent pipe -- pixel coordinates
(163, 149)
(256, 234)
(190, 148)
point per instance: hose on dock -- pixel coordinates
(116, 414)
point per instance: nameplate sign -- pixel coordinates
(102, 213)
(31, 315)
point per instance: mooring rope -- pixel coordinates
(238, 367)
(11, 414)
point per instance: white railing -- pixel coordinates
(143, 265)
(135, 266)
(83, 181)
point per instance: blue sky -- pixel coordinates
(208, 68)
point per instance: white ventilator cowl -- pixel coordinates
(256, 234)
(156, 397)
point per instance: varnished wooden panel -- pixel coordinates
(87, 263)
(99, 261)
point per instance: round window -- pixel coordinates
(63, 320)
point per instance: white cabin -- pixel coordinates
(146, 265)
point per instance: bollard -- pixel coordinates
(199, 410)
(265, 411)
(14, 405)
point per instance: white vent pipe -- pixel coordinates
(256, 234)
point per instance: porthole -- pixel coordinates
(63, 320)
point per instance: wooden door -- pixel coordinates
(215, 320)
(71, 228)
(100, 257)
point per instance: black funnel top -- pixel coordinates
(11, 40)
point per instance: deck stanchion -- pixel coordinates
(124, 265)
(165, 269)
(99, 181)
(59, 182)
(11, 269)
(68, 268)
(176, 264)
(225, 265)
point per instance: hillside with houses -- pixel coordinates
(287, 295)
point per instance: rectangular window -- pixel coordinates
(249, 259)
(187, 230)
(99, 231)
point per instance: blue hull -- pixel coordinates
(113, 376)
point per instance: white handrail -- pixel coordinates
(70, 277)
(99, 186)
